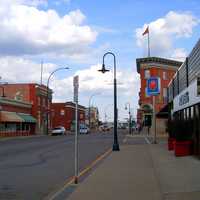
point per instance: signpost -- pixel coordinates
(76, 85)
(153, 89)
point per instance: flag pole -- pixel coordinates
(148, 43)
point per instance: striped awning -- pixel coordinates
(10, 117)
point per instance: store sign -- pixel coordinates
(187, 97)
(184, 98)
(153, 86)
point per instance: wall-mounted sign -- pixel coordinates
(153, 86)
(184, 98)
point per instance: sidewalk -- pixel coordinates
(142, 172)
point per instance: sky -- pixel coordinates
(77, 33)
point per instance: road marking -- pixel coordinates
(70, 181)
(147, 140)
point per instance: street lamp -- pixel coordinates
(129, 112)
(89, 119)
(62, 68)
(104, 70)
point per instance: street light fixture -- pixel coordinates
(95, 94)
(129, 112)
(47, 116)
(104, 70)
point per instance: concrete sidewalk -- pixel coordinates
(142, 172)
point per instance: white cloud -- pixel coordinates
(15, 70)
(27, 30)
(164, 31)
(179, 53)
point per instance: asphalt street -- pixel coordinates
(32, 168)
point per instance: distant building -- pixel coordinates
(36, 95)
(63, 114)
(154, 67)
(16, 118)
(92, 117)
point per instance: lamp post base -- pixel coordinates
(116, 147)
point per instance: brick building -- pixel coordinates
(63, 114)
(157, 67)
(16, 118)
(36, 95)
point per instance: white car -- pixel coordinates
(60, 130)
(84, 130)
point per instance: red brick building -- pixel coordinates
(16, 118)
(36, 95)
(157, 67)
(63, 114)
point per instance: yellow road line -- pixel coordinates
(84, 171)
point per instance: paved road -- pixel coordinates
(31, 168)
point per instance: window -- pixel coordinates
(146, 74)
(62, 112)
(165, 95)
(164, 92)
(164, 75)
(38, 101)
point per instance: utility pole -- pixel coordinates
(76, 85)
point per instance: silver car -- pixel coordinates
(60, 130)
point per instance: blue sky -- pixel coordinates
(77, 33)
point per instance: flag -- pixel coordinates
(146, 31)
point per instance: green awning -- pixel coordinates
(27, 118)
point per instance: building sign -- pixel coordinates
(153, 86)
(187, 97)
(198, 86)
(184, 98)
(76, 85)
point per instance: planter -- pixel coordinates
(183, 148)
(171, 142)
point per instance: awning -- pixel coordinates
(10, 117)
(163, 113)
(27, 118)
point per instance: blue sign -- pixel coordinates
(153, 86)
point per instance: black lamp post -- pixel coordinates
(103, 70)
(47, 116)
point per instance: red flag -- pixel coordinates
(146, 31)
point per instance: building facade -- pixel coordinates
(63, 114)
(36, 95)
(92, 117)
(154, 67)
(184, 96)
(16, 118)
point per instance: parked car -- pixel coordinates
(60, 130)
(83, 129)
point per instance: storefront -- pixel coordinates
(184, 100)
(186, 107)
(15, 118)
